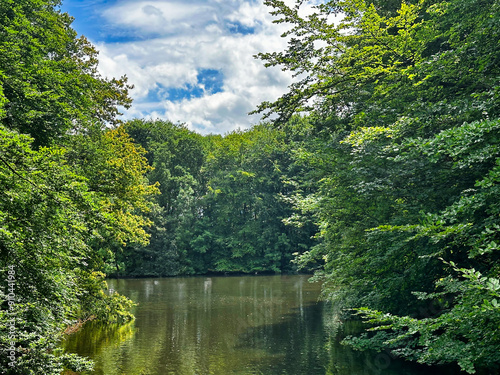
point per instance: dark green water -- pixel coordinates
(246, 325)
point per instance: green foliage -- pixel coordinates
(241, 227)
(115, 169)
(222, 204)
(177, 156)
(396, 170)
(404, 101)
(43, 235)
(49, 219)
(71, 192)
(465, 332)
(96, 304)
(49, 76)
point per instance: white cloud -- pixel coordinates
(177, 41)
(154, 16)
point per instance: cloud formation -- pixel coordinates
(191, 61)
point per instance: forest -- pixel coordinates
(378, 171)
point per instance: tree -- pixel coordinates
(48, 218)
(116, 169)
(222, 204)
(49, 76)
(368, 69)
(177, 156)
(240, 226)
(405, 103)
(56, 212)
(464, 330)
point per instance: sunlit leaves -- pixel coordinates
(405, 102)
(49, 75)
(46, 222)
(53, 214)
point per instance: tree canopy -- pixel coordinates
(49, 77)
(223, 202)
(404, 99)
(73, 190)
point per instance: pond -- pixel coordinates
(238, 325)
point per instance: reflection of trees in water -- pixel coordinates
(220, 326)
(187, 326)
(204, 330)
(295, 345)
(307, 341)
(94, 336)
(98, 341)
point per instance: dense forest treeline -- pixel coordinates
(222, 203)
(379, 170)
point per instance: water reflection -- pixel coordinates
(226, 325)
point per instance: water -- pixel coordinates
(269, 325)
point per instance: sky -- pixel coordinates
(190, 61)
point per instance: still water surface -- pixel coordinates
(246, 325)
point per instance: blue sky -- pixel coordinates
(190, 61)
